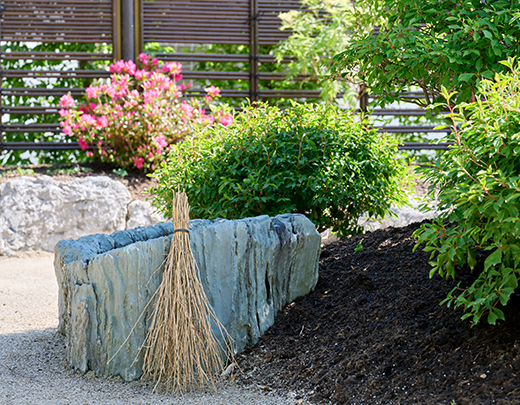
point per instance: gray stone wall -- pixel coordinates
(250, 270)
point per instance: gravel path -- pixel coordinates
(33, 367)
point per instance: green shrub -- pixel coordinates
(310, 159)
(427, 44)
(479, 183)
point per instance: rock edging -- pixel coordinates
(250, 269)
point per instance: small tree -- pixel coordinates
(318, 30)
(479, 185)
(429, 44)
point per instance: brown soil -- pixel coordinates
(136, 182)
(373, 332)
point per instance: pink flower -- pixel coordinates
(226, 120)
(102, 121)
(212, 91)
(89, 153)
(67, 130)
(177, 77)
(130, 67)
(87, 107)
(207, 99)
(184, 87)
(172, 67)
(83, 145)
(159, 81)
(111, 91)
(138, 162)
(161, 141)
(150, 96)
(143, 58)
(150, 155)
(117, 67)
(141, 74)
(92, 91)
(88, 119)
(66, 101)
(64, 113)
(187, 109)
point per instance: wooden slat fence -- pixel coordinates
(126, 26)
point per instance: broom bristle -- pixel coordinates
(182, 352)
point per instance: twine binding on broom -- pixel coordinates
(181, 350)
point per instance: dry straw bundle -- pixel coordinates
(182, 351)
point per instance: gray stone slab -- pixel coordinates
(250, 269)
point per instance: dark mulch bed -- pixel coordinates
(373, 332)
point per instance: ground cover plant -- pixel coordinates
(137, 115)
(311, 159)
(478, 183)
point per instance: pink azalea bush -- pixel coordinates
(133, 119)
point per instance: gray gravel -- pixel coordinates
(33, 368)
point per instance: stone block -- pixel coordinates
(250, 269)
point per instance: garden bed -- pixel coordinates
(373, 332)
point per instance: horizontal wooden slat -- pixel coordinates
(223, 93)
(32, 128)
(201, 39)
(62, 39)
(236, 30)
(94, 24)
(38, 92)
(194, 75)
(289, 93)
(39, 146)
(57, 3)
(28, 110)
(424, 146)
(202, 57)
(410, 129)
(55, 73)
(55, 56)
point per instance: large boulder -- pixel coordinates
(250, 269)
(141, 213)
(37, 212)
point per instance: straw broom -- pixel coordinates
(182, 351)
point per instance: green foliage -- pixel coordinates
(319, 29)
(311, 159)
(359, 246)
(479, 183)
(429, 44)
(22, 157)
